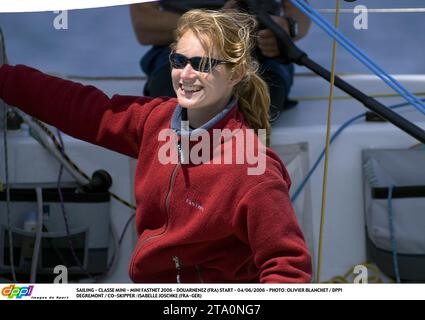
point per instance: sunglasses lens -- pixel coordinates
(179, 61)
(199, 64)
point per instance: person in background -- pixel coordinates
(154, 24)
(197, 221)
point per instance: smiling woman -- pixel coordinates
(203, 93)
(189, 214)
(224, 43)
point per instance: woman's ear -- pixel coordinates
(236, 76)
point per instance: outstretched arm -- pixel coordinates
(81, 111)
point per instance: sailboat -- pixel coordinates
(338, 236)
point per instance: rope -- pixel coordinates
(375, 95)
(6, 168)
(72, 163)
(142, 78)
(359, 54)
(377, 10)
(313, 168)
(328, 137)
(345, 278)
(65, 214)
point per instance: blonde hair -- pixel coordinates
(231, 33)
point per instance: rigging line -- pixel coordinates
(74, 166)
(65, 214)
(6, 169)
(373, 95)
(328, 138)
(359, 54)
(313, 168)
(8, 213)
(376, 10)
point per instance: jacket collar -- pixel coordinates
(229, 118)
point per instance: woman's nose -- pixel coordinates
(188, 71)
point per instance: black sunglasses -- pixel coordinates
(202, 64)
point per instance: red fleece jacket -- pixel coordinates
(202, 223)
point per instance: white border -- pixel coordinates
(53, 5)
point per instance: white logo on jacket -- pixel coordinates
(194, 204)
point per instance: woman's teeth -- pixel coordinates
(190, 88)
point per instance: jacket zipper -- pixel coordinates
(178, 268)
(167, 204)
(199, 272)
(173, 177)
(180, 152)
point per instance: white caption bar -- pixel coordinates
(53, 5)
(210, 292)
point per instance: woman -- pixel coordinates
(197, 222)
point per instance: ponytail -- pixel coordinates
(254, 102)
